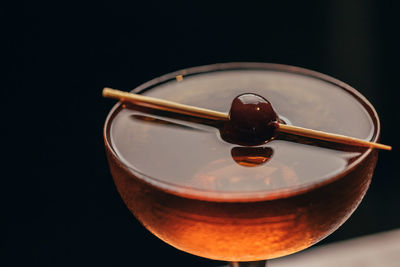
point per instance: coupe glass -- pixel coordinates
(246, 228)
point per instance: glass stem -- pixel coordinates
(248, 264)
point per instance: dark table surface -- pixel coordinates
(60, 206)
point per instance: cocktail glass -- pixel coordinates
(246, 228)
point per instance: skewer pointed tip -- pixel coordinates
(105, 92)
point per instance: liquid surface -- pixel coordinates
(191, 155)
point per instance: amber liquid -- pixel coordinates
(227, 202)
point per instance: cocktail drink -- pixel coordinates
(216, 199)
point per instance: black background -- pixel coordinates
(59, 203)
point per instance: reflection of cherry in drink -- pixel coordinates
(253, 121)
(251, 156)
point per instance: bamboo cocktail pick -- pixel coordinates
(165, 105)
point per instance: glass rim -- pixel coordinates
(237, 196)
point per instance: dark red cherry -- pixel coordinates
(253, 121)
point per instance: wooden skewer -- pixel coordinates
(338, 138)
(157, 103)
(161, 104)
